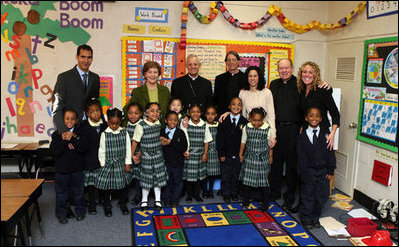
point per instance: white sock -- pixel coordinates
(145, 193)
(157, 191)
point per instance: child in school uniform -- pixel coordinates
(68, 148)
(174, 144)
(134, 113)
(152, 167)
(213, 163)
(176, 105)
(316, 164)
(114, 154)
(199, 136)
(228, 146)
(93, 126)
(255, 141)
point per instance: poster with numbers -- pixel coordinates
(378, 113)
(381, 8)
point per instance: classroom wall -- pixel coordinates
(106, 43)
(358, 31)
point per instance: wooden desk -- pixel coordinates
(12, 211)
(25, 153)
(24, 188)
(20, 187)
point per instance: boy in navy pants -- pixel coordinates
(316, 164)
(174, 144)
(68, 149)
(228, 143)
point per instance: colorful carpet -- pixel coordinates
(225, 224)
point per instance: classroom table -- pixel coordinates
(29, 188)
(26, 154)
(15, 152)
(13, 209)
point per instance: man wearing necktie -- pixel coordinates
(316, 164)
(74, 87)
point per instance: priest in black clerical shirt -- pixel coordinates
(192, 88)
(228, 84)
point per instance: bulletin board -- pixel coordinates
(211, 53)
(378, 114)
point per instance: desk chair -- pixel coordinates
(44, 159)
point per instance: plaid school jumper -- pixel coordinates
(255, 168)
(135, 168)
(112, 175)
(193, 169)
(152, 167)
(91, 175)
(213, 163)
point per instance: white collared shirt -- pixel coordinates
(101, 150)
(93, 124)
(309, 132)
(249, 125)
(134, 124)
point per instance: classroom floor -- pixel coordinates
(116, 230)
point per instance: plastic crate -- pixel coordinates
(360, 227)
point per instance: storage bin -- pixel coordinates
(360, 227)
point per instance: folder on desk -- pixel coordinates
(382, 173)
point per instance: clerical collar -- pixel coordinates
(285, 82)
(193, 78)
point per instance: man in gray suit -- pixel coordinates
(74, 87)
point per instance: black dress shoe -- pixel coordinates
(287, 207)
(235, 198)
(70, 213)
(205, 195)
(226, 199)
(135, 201)
(80, 217)
(158, 205)
(295, 209)
(107, 211)
(63, 220)
(307, 225)
(189, 199)
(198, 199)
(316, 223)
(124, 209)
(144, 205)
(210, 194)
(92, 210)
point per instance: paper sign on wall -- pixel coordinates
(151, 15)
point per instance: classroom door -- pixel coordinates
(344, 70)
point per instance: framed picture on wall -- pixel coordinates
(381, 8)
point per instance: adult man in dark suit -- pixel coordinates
(192, 88)
(74, 87)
